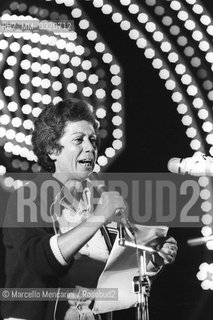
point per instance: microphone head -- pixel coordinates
(174, 165)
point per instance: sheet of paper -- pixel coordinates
(121, 268)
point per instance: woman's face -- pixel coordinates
(77, 158)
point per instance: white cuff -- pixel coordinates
(56, 251)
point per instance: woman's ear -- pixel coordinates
(53, 154)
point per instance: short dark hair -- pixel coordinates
(50, 125)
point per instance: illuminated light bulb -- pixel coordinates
(210, 30)
(64, 58)
(125, 2)
(197, 8)
(100, 93)
(211, 151)
(173, 57)
(189, 24)
(182, 108)
(206, 218)
(8, 147)
(9, 91)
(10, 134)
(24, 79)
(116, 17)
(150, 26)
(180, 68)
(203, 181)
(12, 106)
(110, 152)
(100, 47)
(117, 133)
(2, 170)
(44, 54)
(206, 231)
(107, 58)
(125, 25)
(117, 144)
(79, 50)
(81, 76)
(204, 45)
(75, 61)
(72, 87)
(192, 90)
(142, 17)
(35, 37)
(149, 53)
(26, 49)
(36, 97)
(210, 95)
(197, 35)
(36, 111)
(8, 74)
(93, 78)
(2, 131)
(116, 94)
(84, 24)
(182, 41)
(195, 144)
(175, 5)
(87, 91)
(167, 21)
(102, 161)
(26, 109)
(116, 107)
(101, 113)
(209, 138)
(68, 73)
(134, 34)
(133, 8)
(186, 120)
(183, 15)
(158, 36)
(45, 83)
(28, 139)
(197, 103)
(106, 9)
(204, 19)
(157, 63)
(1, 104)
(54, 56)
(16, 122)
(117, 120)
(207, 126)
(11, 60)
(36, 81)
(57, 85)
(116, 80)
(25, 64)
(164, 74)
(61, 44)
(35, 52)
(4, 119)
(114, 69)
(165, 46)
(191, 132)
(70, 47)
(46, 99)
(20, 137)
(141, 43)
(56, 100)
(170, 84)
(4, 45)
(55, 71)
(45, 68)
(86, 65)
(209, 245)
(92, 35)
(186, 79)
(209, 57)
(76, 13)
(44, 39)
(177, 96)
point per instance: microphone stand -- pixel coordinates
(141, 283)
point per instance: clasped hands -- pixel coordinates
(167, 251)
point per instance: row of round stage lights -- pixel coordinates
(191, 132)
(186, 79)
(107, 58)
(165, 74)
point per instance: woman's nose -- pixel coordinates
(88, 145)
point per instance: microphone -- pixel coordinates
(118, 212)
(197, 165)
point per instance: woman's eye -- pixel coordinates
(78, 140)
